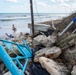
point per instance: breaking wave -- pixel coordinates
(14, 18)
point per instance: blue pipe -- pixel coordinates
(74, 19)
(25, 65)
(8, 62)
(24, 50)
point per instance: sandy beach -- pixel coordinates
(8, 29)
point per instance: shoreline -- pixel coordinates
(22, 25)
(24, 30)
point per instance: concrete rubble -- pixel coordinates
(58, 49)
(46, 41)
(53, 67)
(74, 70)
(70, 54)
(52, 53)
(7, 73)
(56, 54)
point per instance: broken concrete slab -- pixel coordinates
(8, 73)
(38, 39)
(52, 52)
(46, 41)
(74, 71)
(53, 67)
(70, 54)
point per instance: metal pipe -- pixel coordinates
(67, 26)
(66, 29)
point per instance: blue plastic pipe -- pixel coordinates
(8, 62)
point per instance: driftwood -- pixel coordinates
(52, 67)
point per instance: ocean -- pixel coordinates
(21, 20)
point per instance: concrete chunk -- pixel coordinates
(52, 67)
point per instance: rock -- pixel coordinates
(8, 73)
(68, 40)
(21, 39)
(52, 52)
(52, 67)
(50, 40)
(38, 39)
(69, 67)
(74, 71)
(29, 40)
(70, 54)
(46, 41)
(2, 66)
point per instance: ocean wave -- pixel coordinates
(14, 18)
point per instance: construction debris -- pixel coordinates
(46, 41)
(74, 71)
(7, 73)
(52, 53)
(53, 67)
(66, 42)
(70, 54)
(56, 53)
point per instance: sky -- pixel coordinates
(39, 6)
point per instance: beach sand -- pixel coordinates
(22, 28)
(8, 29)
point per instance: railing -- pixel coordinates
(25, 53)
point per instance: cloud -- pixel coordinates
(72, 7)
(53, 0)
(26, 5)
(62, 3)
(42, 4)
(17, 7)
(66, 1)
(70, 0)
(12, 1)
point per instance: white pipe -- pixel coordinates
(66, 28)
(74, 31)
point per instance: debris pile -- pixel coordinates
(58, 56)
(54, 54)
(53, 67)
